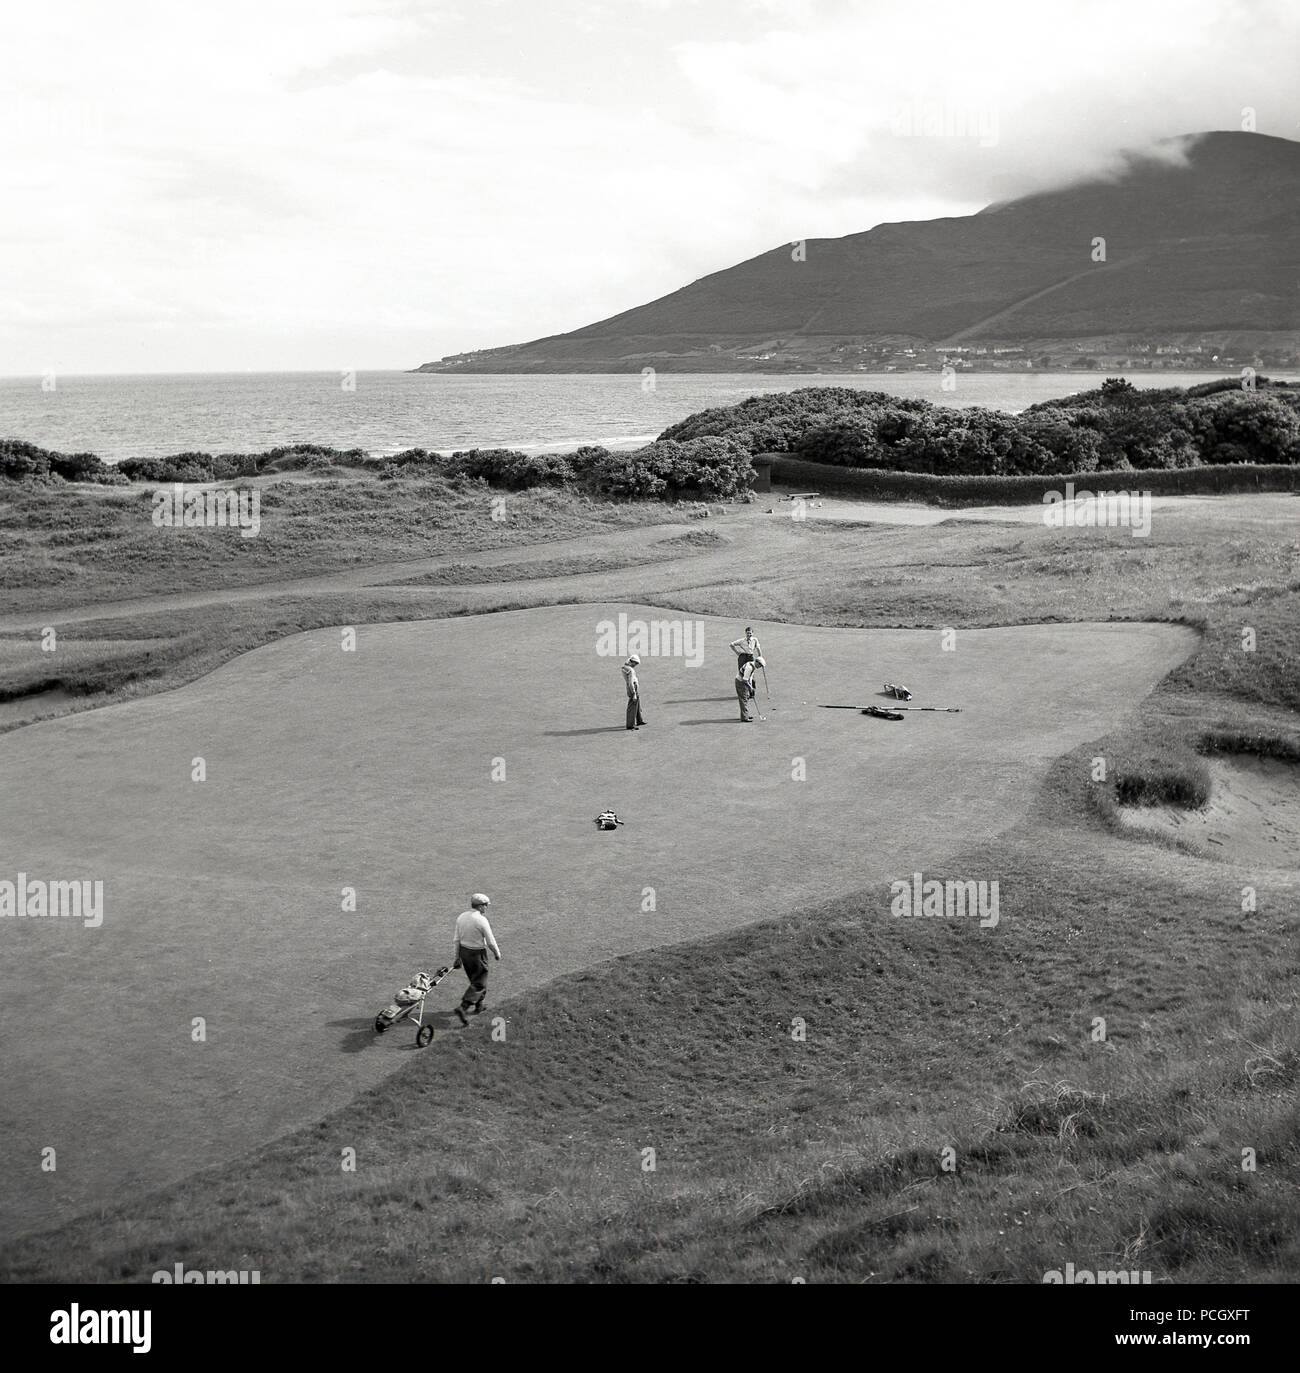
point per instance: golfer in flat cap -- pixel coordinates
(746, 691)
(634, 717)
(473, 940)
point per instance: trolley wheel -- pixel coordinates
(424, 1036)
(380, 1026)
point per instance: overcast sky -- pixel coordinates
(336, 184)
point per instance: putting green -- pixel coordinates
(373, 770)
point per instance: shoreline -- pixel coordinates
(384, 413)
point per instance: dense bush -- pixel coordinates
(848, 440)
(1247, 426)
(510, 469)
(925, 438)
(420, 458)
(775, 423)
(1073, 447)
(296, 456)
(1115, 427)
(1150, 436)
(703, 469)
(20, 459)
(203, 467)
(180, 467)
(706, 468)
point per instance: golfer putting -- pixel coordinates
(474, 938)
(746, 690)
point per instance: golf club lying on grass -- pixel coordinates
(951, 710)
(867, 710)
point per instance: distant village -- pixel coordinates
(1093, 355)
(804, 354)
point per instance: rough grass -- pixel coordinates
(1154, 766)
(84, 665)
(822, 1157)
(470, 574)
(68, 544)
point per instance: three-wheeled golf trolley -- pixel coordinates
(408, 1004)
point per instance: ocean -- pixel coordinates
(385, 412)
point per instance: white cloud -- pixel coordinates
(271, 183)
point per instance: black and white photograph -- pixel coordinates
(402, 402)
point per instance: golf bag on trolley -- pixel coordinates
(408, 1004)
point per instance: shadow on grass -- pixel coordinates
(570, 733)
(361, 1034)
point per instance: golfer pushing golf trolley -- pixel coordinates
(408, 1004)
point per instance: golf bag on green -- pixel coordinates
(408, 1004)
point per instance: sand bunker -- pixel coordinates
(1253, 815)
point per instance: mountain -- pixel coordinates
(1205, 252)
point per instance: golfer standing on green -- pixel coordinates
(634, 717)
(747, 650)
(473, 940)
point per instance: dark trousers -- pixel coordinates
(634, 717)
(475, 963)
(745, 695)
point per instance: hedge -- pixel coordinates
(879, 484)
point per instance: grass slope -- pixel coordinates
(521, 1156)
